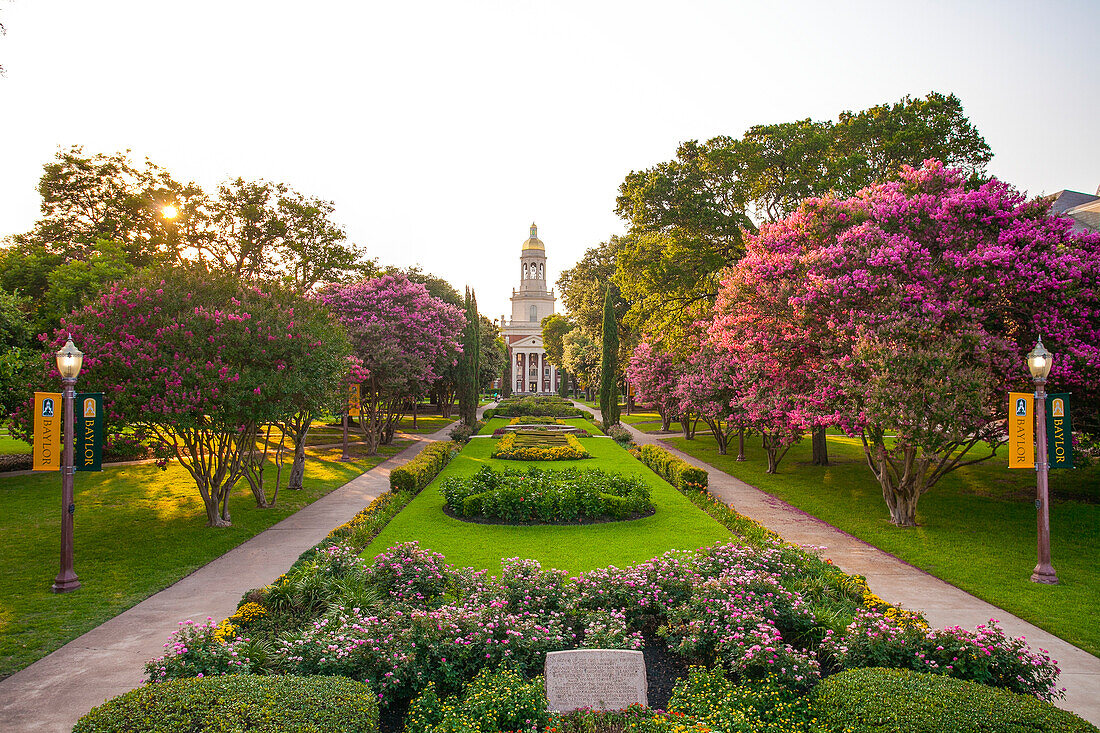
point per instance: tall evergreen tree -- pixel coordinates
(468, 375)
(609, 366)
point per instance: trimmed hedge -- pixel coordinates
(239, 703)
(678, 472)
(419, 472)
(876, 700)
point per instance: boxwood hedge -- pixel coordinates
(876, 700)
(419, 472)
(676, 471)
(239, 704)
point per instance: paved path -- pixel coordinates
(51, 694)
(899, 582)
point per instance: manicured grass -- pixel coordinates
(575, 548)
(495, 423)
(977, 526)
(13, 446)
(425, 424)
(138, 530)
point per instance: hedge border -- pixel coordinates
(682, 475)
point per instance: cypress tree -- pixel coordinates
(609, 365)
(468, 372)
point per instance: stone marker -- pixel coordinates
(600, 679)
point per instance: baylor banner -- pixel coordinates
(353, 400)
(88, 431)
(1059, 442)
(1021, 430)
(47, 431)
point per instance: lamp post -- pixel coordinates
(1038, 363)
(69, 361)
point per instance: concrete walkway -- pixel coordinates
(51, 694)
(900, 583)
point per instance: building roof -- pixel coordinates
(1083, 208)
(533, 242)
(1065, 200)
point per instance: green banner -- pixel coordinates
(1059, 440)
(88, 431)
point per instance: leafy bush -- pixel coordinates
(494, 701)
(539, 446)
(462, 432)
(122, 447)
(636, 719)
(903, 701)
(678, 472)
(535, 406)
(986, 655)
(243, 703)
(536, 420)
(620, 435)
(419, 472)
(546, 496)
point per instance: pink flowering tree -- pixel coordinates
(914, 303)
(654, 375)
(402, 335)
(709, 389)
(199, 362)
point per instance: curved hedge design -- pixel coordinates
(539, 446)
(250, 703)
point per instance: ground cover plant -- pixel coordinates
(538, 445)
(138, 530)
(540, 496)
(976, 531)
(574, 548)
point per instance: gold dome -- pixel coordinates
(534, 242)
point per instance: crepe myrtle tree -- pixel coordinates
(709, 390)
(654, 375)
(402, 334)
(918, 300)
(198, 361)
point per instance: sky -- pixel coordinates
(441, 130)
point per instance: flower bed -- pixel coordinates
(536, 420)
(524, 445)
(773, 616)
(535, 496)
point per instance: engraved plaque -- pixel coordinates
(600, 679)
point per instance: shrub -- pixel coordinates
(635, 718)
(536, 420)
(681, 474)
(546, 496)
(538, 446)
(239, 704)
(620, 435)
(122, 447)
(903, 701)
(462, 432)
(493, 702)
(419, 472)
(534, 406)
(985, 655)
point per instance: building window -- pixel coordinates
(534, 313)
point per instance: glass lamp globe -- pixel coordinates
(69, 360)
(1039, 361)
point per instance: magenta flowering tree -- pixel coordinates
(654, 375)
(913, 304)
(709, 389)
(402, 334)
(199, 362)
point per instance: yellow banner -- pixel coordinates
(47, 431)
(353, 400)
(1021, 430)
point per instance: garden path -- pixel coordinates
(899, 582)
(50, 695)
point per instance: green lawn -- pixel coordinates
(977, 526)
(13, 446)
(425, 424)
(138, 530)
(575, 548)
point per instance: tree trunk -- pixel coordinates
(820, 448)
(720, 437)
(416, 404)
(666, 420)
(741, 443)
(298, 467)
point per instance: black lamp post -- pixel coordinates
(69, 361)
(1038, 363)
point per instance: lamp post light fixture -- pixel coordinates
(1038, 363)
(69, 361)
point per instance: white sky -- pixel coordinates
(441, 129)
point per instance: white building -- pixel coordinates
(531, 372)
